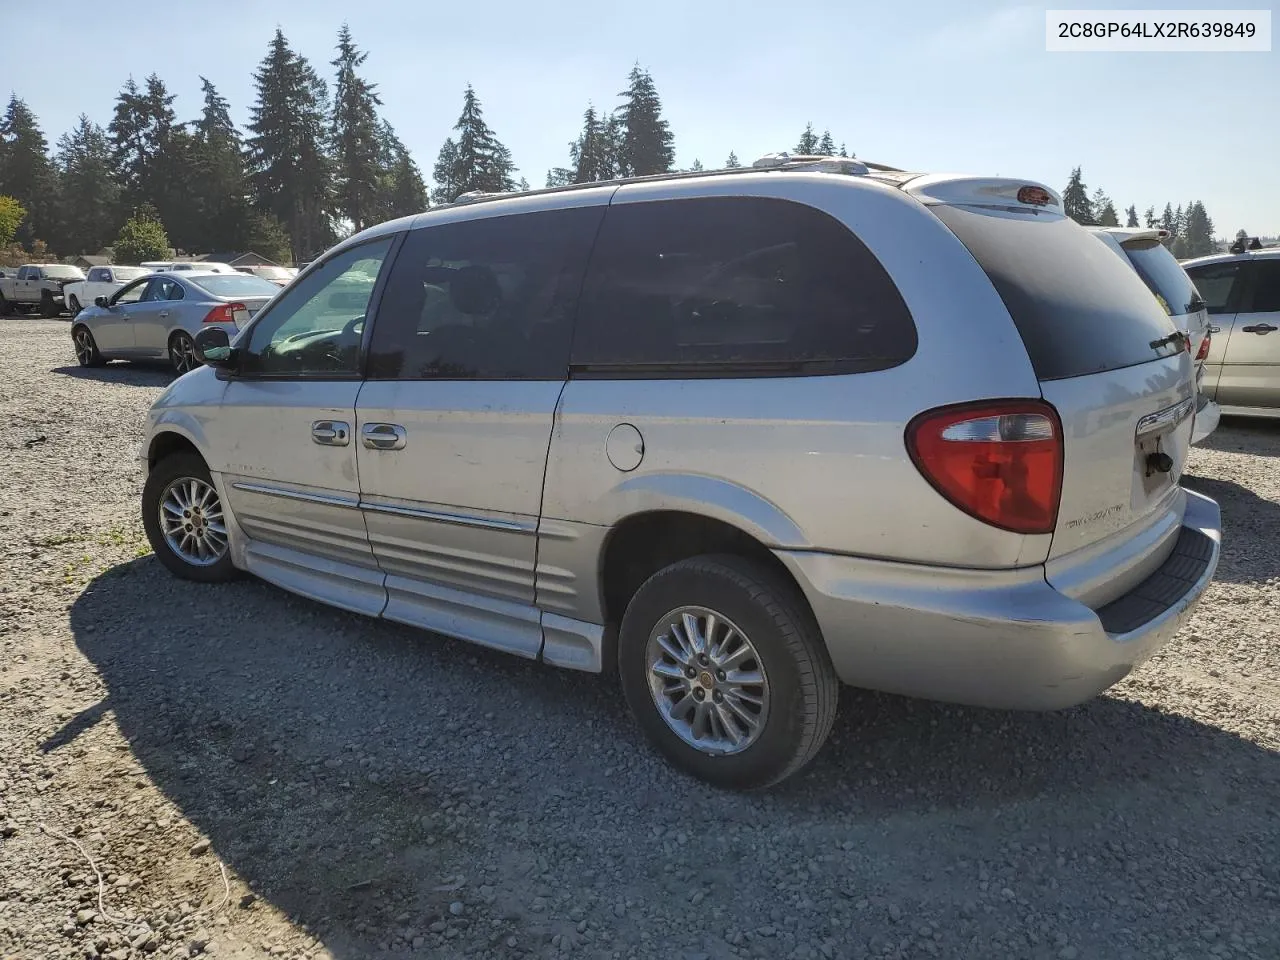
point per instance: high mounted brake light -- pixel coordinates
(1037, 196)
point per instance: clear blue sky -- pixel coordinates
(933, 85)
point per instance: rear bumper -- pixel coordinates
(999, 638)
(1208, 414)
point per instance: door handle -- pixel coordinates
(383, 436)
(1214, 329)
(331, 433)
(163, 314)
(1258, 328)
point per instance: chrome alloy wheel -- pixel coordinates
(84, 346)
(707, 680)
(192, 522)
(182, 353)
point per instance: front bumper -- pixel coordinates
(999, 638)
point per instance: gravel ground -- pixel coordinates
(376, 791)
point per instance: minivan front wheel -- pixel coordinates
(724, 669)
(184, 520)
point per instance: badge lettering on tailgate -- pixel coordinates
(1110, 511)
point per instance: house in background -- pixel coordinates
(87, 260)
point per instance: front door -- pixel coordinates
(152, 316)
(113, 327)
(286, 430)
(1251, 364)
(469, 356)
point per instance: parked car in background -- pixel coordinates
(1145, 251)
(158, 315)
(37, 285)
(187, 266)
(280, 276)
(1242, 370)
(738, 435)
(100, 282)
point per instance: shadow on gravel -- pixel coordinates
(1250, 530)
(134, 373)
(349, 770)
(1253, 435)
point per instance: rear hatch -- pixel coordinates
(1174, 290)
(1107, 357)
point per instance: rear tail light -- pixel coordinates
(1203, 352)
(998, 461)
(236, 313)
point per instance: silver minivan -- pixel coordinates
(1243, 363)
(738, 436)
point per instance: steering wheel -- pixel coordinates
(352, 325)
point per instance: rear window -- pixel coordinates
(732, 287)
(228, 286)
(1079, 308)
(1168, 281)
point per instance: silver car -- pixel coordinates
(157, 316)
(1145, 251)
(737, 436)
(1243, 294)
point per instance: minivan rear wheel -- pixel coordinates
(724, 668)
(185, 520)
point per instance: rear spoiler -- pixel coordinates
(1025, 196)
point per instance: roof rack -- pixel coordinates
(1238, 245)
(773, 161)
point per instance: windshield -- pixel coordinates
(1168, 281)
(229, 286)
(63, 273)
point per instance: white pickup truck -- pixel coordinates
(101, 282)
(37, 285)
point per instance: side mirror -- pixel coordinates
(213, 347)
(101, 302)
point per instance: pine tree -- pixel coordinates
(288, 166)
(808, 144)
(1131, 216)
(266, 235)
(219, 186)
(401, 190)
(1167, 221)
(1199, 231)
(1075, 199)
(152, 154)
(26, 174)
(1179, 222)
(1149, 218)
(732, 163)
(697, 166)
(1098, 206)
(476, 161)
(354, 134)
(827, 146)
(591, 156)
(844, 153)
(559, 177)
(1107, 216)
(89, 196)
(645, 142)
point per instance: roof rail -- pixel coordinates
(471, 196)
(810, 161)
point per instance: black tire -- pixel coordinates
(803, 688)
(6, 307)
(182, 353)
(48, 306)
(87, 352)
(163, 475)
(75, 306)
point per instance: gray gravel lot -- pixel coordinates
(376, 791)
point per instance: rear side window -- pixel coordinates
(1079, 308)
(1162, 274)
(1217, 283)
(735, 286)
(1266, 287)
(487, 299)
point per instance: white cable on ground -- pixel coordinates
(102, 885)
